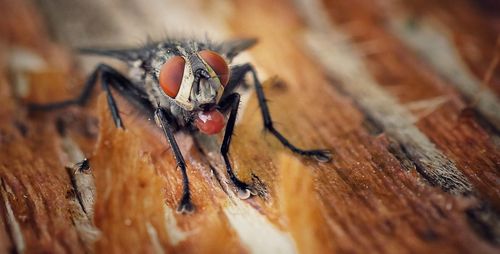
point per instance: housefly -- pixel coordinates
(185, 85)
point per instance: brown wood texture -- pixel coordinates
(404, 93)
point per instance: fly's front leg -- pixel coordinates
(321, 155)
(110, 78)
(164, 121)
(232, 101)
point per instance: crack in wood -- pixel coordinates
(83, 186)
(13, 225)
(82, 183)
(486, 221)
(71, 174)
(401, 155)
(206, 144)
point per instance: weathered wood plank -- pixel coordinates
(451, 126)
(300, 73)
(407, 141)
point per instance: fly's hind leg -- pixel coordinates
(321, 155)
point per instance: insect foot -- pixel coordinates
(243, 190)
(321, 155)
(244, 193)
(185, 206)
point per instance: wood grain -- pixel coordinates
(415, 164)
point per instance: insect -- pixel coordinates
(184, 85)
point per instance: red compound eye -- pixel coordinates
(171, 74)
(218, 64)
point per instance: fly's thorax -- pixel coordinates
(136, 72)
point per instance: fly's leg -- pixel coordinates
(232, 101)
(163, 119)
(321, 155)
(109, 78)
(235, 80)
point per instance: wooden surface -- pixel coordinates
(404, 93)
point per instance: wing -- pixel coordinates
(127, 55)
(233, 47)
(229, 49)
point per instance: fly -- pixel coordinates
(184, 85)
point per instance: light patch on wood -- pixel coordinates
(429, 104)
(346, 64)
(155, 241)
(21, 61)
(434, 43)
(175, 234)
(301, 208)
(256, 232)
(424, 108)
